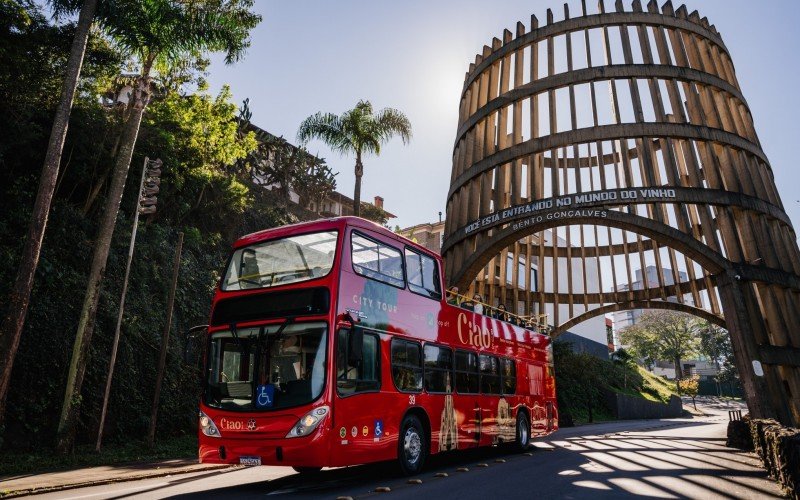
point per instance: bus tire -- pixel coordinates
(307, 470)
(523, 432)
(412, 445)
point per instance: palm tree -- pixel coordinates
(356, 131)
(159, 34)
(14, 320)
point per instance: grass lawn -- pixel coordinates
(12, 464)
(656, 388)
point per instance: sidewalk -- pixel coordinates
(14, 486)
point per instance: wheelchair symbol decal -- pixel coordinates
(265, 395)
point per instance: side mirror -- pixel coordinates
(355, 343)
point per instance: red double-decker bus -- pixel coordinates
(331, 343)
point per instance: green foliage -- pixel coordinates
(583, 382)
(655, 387)
(199, 134)
(315, 183)
(715, 342)
(277, 162)
(356, 131)
(580, 379)
(662, 335)
(206, 193)
(373, 213)
(167, 32)
(85, 456)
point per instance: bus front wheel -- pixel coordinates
(523, 432)
(412, 446)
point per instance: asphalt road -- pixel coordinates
(679, 458)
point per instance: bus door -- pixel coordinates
(359, 424)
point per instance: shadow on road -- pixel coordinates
(656, 459)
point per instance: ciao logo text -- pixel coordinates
(233, 425)
(473, 334)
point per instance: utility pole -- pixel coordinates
(145, 204)
(151, 437)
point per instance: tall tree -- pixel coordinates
(14, 320)
(663, 335)
(278, 163)
(715, 343)
(159, 34)
(357, 131)
(315, 183)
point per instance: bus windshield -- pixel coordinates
(282, 261)
(266, 368)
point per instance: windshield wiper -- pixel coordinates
(236, 337)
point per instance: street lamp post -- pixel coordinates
(145, 205)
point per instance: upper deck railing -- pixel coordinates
(537, 323)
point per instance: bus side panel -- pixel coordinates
(457, 421)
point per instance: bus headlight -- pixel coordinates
(308, 422)
(207, 426)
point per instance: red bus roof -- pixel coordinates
(326, 224)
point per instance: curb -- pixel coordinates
(112, 480)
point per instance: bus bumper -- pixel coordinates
(307, 451)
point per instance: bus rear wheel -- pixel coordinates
(412, 445)
(523, 432)
(307, 470)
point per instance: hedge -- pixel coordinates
(779, 450)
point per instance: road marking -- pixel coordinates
(117, 491)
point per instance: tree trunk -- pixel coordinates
(357, 192)
(72, 395)
(14, 320)
(94, 189)
(162, 360)
(677, 363)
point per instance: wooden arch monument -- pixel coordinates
(598, 146)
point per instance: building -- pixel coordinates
(648, 279)
(428, 234)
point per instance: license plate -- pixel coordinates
(249, 461)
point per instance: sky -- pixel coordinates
(412, 55)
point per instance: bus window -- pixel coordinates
(406, 365)
(376, 260)
(466, 372)
(245, 361)
(280, 262)
(357, 375)
(423, 275)
(438, 369)
(509, 375)
(490, 374)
